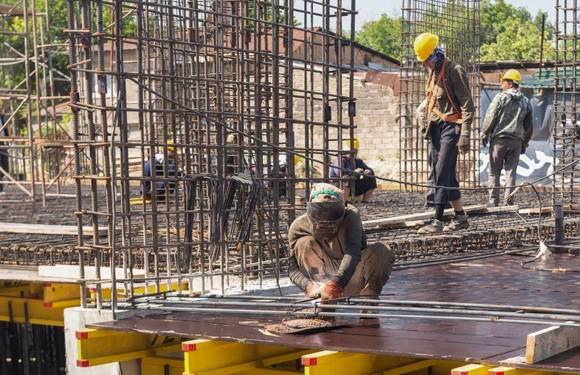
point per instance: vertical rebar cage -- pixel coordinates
(457, 24)
(236, 107)
(566, 129)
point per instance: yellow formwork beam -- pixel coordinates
(411, 367)
(138, 290)
(213, 357)
(328, 362)
(21, 290)
(472, 369)
(97, 347)
(34, 311)
(502, 370)
(161, 366)
(58, 292)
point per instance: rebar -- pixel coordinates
(205, 91)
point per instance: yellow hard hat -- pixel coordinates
(297, 159)
(425, 44)
(170, 146)
(512, 75)
(355, 144)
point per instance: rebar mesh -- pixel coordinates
(458, 27)
(216, 84)
(566, 129)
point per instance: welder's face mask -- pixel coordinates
(325, 218)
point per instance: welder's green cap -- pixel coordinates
(324, 192)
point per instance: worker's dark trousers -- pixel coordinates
(444, 152)
(503, 153)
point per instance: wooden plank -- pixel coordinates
(551, 341)
(535, 211)
(25, 228)
(411, 220)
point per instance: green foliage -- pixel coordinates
(11, 75)
(510, 33)
(507, 32)
(383, 35)
(519, 41)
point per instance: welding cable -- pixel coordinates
(323, 163)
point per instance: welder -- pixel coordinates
(329, 255)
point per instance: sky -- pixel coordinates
(369, 10)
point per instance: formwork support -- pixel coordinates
(161, 355)
(36, 303)
(207, 356)
(97, 347)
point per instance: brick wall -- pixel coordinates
(376, 125)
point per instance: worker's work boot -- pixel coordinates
(435, 226)
(458, 222)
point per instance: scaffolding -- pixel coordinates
(199, 128)
(458, 27)
(35, 142)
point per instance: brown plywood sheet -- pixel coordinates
(494, 281)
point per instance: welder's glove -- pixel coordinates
(359, 171)
(313, 290)
(463, 143)
(368, 172)
(331, 290)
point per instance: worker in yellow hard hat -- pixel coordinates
(364, 181)
(507, 128)
(449, 112)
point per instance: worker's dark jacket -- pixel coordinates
(348, 244)
(509, 116)
(451, 97)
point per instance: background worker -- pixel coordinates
(159, 165)
(507, 128)
(364, 181)
(449, 112)
(329, 256)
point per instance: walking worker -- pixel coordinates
(507, 128)
(449, 113)
(364, 181)
(329, 256)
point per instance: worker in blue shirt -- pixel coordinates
(364, 181)
(158, 165)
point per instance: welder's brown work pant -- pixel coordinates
(369, 277)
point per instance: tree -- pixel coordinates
(495, 15)
(383, 35)
(519, 41)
